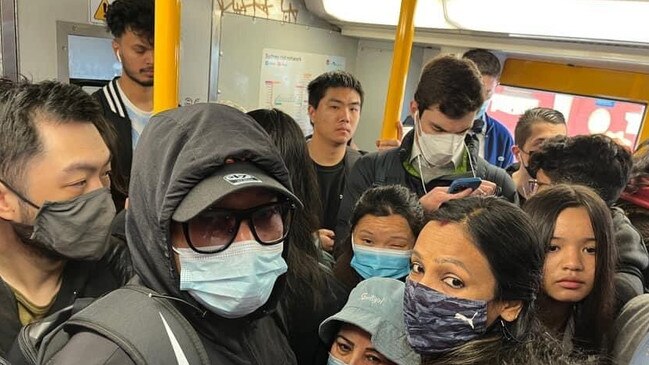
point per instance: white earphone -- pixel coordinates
(118, 57)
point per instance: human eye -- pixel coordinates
(343, 347)
(591, 250)
(416, 268)
(79, 184)
(553, 247)
(453, 282)
(367, 240)
(372, 358)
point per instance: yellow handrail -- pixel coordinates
(166, 54)
(400, 62)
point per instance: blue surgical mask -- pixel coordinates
(333, 361)
(483, 110)
(371, 262)
(437, 323)
(235, 282)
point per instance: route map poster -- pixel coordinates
(285, 76)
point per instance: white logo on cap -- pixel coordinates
(238, 179)
(372, 298)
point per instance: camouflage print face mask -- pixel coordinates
(437, 323)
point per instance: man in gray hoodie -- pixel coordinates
(209, 212)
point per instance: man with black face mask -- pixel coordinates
(55, 203)
(209, 213)
(434, 153)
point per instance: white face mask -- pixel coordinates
(437, 149)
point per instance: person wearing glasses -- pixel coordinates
(209, 214)
(600, 163)
(534, 126)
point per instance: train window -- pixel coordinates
(91, 60)
(584, 114)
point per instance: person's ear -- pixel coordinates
(515, 150)
(414, 107)
(8, 204)
(116, 50)
(311, 112)
(510, 310)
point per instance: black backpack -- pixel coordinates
(142, 323)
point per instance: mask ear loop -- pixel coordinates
(508, 335)
(421, 175)
(415, 118)
(470, 159)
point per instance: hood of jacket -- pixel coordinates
(178, 149)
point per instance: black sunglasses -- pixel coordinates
(214, 230)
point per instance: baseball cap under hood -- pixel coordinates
(177, 150)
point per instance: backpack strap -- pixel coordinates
(143, 324)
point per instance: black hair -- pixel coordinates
(503, 233)
(134, 15)
(23, 105)
(487, 62)
(593, 160)
(453, 85)
(531, 117)
(304, 274)
(595, 314)
(386, 200)
(318, 87)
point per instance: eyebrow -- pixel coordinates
(588, 239)
(448, 260)
(84, 166)
(445, 131)
(346, 339)
(334, 100)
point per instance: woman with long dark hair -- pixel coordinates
(577, 298)
(312, 293)
(469, 298)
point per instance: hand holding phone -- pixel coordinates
(464, 183)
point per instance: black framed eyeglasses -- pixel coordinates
(214, 230)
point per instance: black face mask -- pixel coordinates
(25, 232)
(76, 229)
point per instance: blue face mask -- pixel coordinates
(333, 361)
(483, 110)
(371, 262)
(235, 282)
(436, 322)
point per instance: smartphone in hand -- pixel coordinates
(464, 183)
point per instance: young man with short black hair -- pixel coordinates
(335, 102)
(55, 204)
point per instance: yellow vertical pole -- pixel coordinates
(166, 53)
(400, 62)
